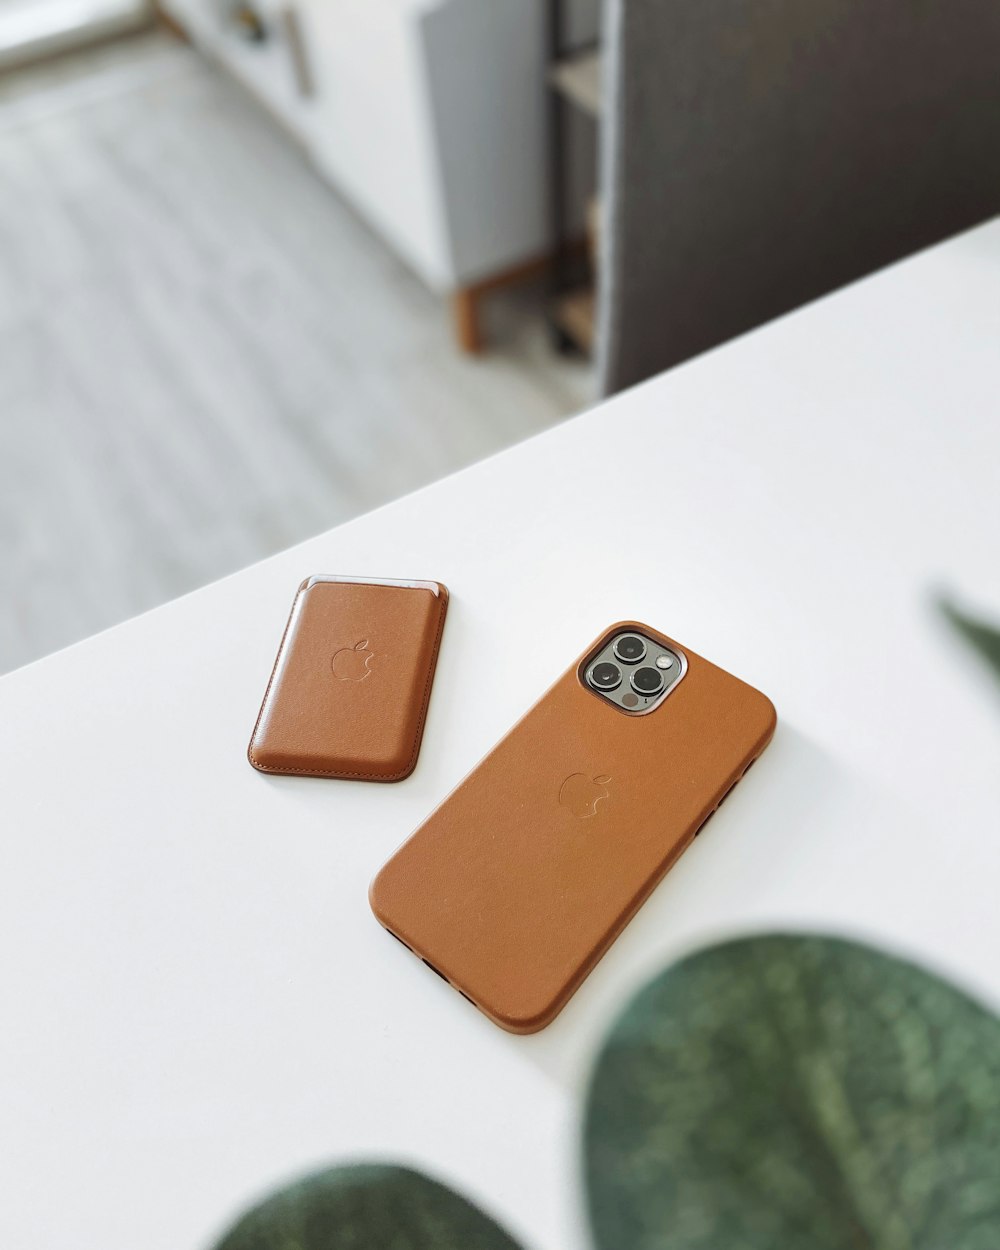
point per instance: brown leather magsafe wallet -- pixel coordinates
(349, 691)
(520, 881)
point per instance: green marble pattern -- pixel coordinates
(796, 1093)
(366, 1207)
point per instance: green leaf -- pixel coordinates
(981, 637)
(796, 1093)
(366, 1207)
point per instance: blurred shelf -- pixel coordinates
(578, 79)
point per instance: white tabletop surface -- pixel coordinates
(197, 1003)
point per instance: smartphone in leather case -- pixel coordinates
(349, 691)
(518, 883)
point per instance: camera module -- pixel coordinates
(646, 681)
(630, 649)
(606, 676)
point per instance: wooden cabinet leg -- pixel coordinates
(465, 318)
(466, 301)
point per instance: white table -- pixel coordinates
(197, 1003)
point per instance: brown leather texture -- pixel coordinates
(522, 878)
(352, 680)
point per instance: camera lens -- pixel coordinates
(647, 681)
(630, 648)
(606, 676)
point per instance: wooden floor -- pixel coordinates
(204, 355)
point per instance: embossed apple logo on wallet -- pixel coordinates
(581, 794)
(353, 663)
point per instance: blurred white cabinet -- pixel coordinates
(428, 115)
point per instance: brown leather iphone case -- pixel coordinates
(352, 679)
(518, 883)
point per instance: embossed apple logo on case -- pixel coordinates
(581, 794)
(353, 663)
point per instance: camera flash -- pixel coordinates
(664, 661)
